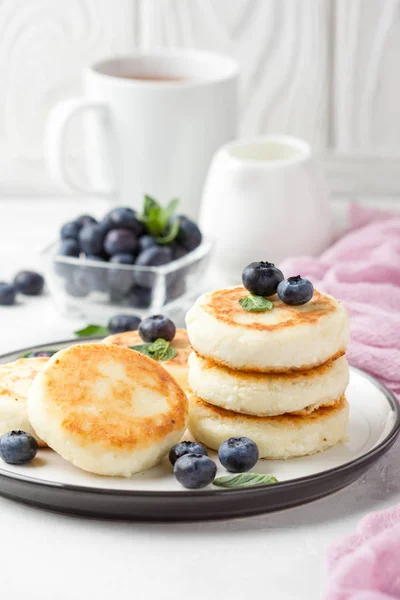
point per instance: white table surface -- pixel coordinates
(45, 556)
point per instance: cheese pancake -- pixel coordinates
(280, 437)
(15, 380)
(177, 367)
(108, 410)
(268, 394)
(282, 339)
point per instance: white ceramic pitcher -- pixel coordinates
(264, 199)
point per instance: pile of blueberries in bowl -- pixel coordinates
(144, 261)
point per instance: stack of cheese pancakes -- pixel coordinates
(278, 377)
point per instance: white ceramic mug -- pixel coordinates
(264, 199)
(152, 124)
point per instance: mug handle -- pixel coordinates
(57, 125)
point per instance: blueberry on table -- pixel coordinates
(155, 256)
(85, 220)
(123, 217)
(70, 230)
(139, 297)
(195, 471)
(238, 454)
(69, 247)
(120, 240)
(262, 278)
(121, 323)
(91, 238)
(145, 241)
(123, 258)
(295, 290)
(157, 326)
(186, 448)
(18, 447)
(29, 283)
(7, 294)
(189, 235)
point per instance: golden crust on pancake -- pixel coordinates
(282, 339)
(107, 409)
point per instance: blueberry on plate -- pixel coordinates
(123, 258)
(157, 326)
(295, 290)
(120, 240)
(189, 235)
(186, 448)
(85, 220)
(123, 217)
(69, 247)
(195, 471)
(145, 241)
(7, 294)
(91, 238)
(139, 297)
(70, 230)
(154, 256)
(29, 283)
(121, 323)
(41, 353)
(18, 447)
(261, 278)
(238, 454)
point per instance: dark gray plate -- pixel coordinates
(53, 484)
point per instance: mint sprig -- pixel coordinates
(253, 303)
(92, 330)
(241, 480)
(158, 350)
(158, 219)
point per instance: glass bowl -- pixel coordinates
(86, 288)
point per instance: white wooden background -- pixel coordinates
(326, 70)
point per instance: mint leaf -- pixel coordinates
(158, 350)
(156, 218)
(91, 330)
(241, 480)
(171, 235)
(253, 303)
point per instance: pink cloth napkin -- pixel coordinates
(362, 269)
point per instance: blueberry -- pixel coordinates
(121, 323)
(123, 218)
(29, 283)
(123, 258)
(85, 220)
(95, 257)
(295, 290)
(69, 248)
(195, 471)
(178, 251)
(186, 448)
(139, 297)
(238, 454)
(70, 230)
(120, 240)
(91, 238)
(176, 287)
(120, 281)
(189, 235)
(261, 278)
(145, 241)
(154, 256)
(7, 294)
(157, 326)
(18, 447)
(79, 283)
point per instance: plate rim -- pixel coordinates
(345, 468)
